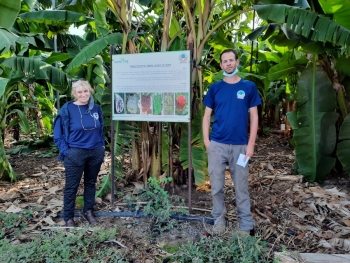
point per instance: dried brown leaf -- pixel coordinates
(37, 174)
(13, 209)
(40, 199)
(53, 189)
(49, 221)
(103, 172)
(138, 185)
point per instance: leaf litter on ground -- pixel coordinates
(289, 212)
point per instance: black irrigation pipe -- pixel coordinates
(139, 215)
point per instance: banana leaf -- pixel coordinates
(104, 187)
(314, 124)
(343, 146)
(34, 69)
(3, 83)
(340, 10)
(284, 68)
(199, 155)
(9, 12)
(53, 17)
(24, 123)
(7, 41)
(306, 23)
(95, 48)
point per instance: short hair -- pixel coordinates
(228, 51)
(80, 84)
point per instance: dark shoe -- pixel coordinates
(250, 232)
(70, 223)
(90, 218)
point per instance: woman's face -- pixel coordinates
(82, 95)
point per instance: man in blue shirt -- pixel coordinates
(232, 101)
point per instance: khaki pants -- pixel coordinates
(219, 156)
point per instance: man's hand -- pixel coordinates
(206, 143)
(205, 126)
(254, 120)
(250, 151)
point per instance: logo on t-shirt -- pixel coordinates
(240, 94)
(95, 114)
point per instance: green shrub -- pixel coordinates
(59, 246)
(239, 248)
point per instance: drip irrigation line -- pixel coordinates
(137, 214)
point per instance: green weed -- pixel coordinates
(58, 246)
(243, 249)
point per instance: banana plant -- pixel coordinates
(314, 123)
(317, 35)
(11, 114)
(15, 70)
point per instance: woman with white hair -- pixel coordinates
(78, 133)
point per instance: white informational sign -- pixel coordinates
(151, 86)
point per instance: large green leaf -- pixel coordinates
(33, 69)
(100, 9)
(55, 57)
(284, 68)
(340, 10)
(342, 65)
(199, 155)
(24, 123)
(104, 187)
(314, 124)
(95, 48)
(9, 10)
(174, 27)
(343, 147)
(307, 23)
(53, 17)
(298, 3)
(7, 41)
(3, 83)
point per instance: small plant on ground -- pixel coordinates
(11, 223)
(159, 206)
(158, 199)
(239, 248)
(58, 246)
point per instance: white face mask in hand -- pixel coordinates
(231, 74)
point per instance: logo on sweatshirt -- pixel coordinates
(240, 94)
(95, 114)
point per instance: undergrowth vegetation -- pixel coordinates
(55, 245)
(99, 244)
(240, 248)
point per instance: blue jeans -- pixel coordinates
(219, 156)
(76, 162)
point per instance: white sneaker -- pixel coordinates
(219, 227)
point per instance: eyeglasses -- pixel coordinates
(81, 121)
(75, 80)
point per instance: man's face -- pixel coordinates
(229, 62)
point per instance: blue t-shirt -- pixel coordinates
(84, 129)
(230, 104)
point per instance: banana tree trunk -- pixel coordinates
(135, 156)
(37, 111)
(156, 162)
